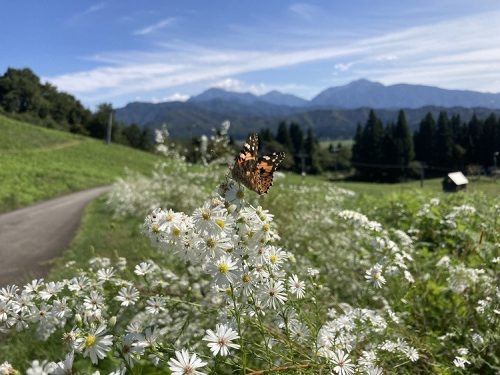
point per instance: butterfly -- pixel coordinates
(256, 173)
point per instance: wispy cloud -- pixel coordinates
(304, 10)
(455, 54)
(342, 67)
(231, 84)
(155, 27)
(175, 97)
(91, 9)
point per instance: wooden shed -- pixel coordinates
(455, 181)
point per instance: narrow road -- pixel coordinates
(30, 237)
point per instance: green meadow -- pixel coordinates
(38, 163)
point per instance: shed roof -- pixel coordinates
(458, 178)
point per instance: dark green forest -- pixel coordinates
(392, 153)
(381, 152)
(24, 96)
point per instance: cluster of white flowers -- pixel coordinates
(163, 146)
(338, 337)
(361, 220)
(138, 195)
(234, 243)
(457, 212)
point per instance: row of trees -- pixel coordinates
(391, 152)
(302, 149)
(23, 95)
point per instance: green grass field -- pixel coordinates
(38, 163)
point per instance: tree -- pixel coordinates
(404, 145)
(311, 148)
(19, 91)
(487, 141)
(391, 154)
(425, 140)
(283, 136)
(98, 124)
(474, 136)
(444, 142)
(368, 148)
(297, 137)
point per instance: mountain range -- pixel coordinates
(333, 113)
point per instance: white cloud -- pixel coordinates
(91, 9)
(155, 27)
(304, 10)
(449, 53)
(176, 97)
(341, 67)
(386, 58)
(231, 84)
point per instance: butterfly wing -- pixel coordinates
(266, 166)
(255, 173)
(245, 163)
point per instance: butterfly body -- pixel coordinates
(256, 173)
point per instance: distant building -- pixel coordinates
(455, 181)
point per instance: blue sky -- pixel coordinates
(119, 51)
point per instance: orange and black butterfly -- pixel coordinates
(256, 173)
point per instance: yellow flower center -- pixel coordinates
(246, 278)
(205, 215)
(90, 341)
(221, 223)
(223, 268)
(240, 194)
(155, 228)
(266, 227)
(211, 243)
(273, 258)
(176, 232)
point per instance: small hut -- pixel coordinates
(455, 181)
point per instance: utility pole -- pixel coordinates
(302, 157)
(422, 174)
(110, 125)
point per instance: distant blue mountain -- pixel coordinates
(272, 97)
(364, 93)
(278, 98)
(335, 112)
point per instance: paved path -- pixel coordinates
(32, 236)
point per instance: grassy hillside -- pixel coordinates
(38, 163)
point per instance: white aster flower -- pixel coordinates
(342, 362)
(374, 371)
(185, 364)
(94, 301)
(40, 368)
(155, 304)
(95, 344)
(223, 270)
(460, 362)
(374, 275)
(144, 268)
(51, 289)
(296, 287)
(272, 294)
(128, 295)
(105, 274)
(312, 272)
(275, 257)
(64, 367)
(221, 340)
